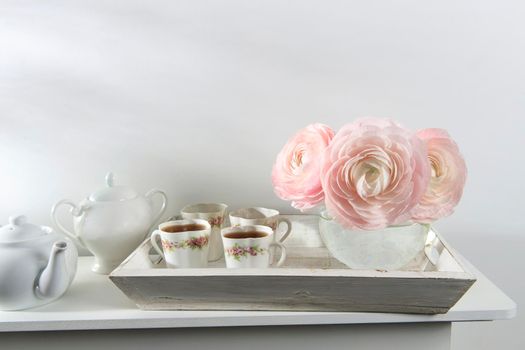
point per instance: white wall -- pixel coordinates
(197, 98)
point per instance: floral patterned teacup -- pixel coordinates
(249, 246)
(185, 243)
(214, 214)
(261, 216)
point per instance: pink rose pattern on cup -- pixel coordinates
(237, 251)
(192, 243)
(272, 225)
(216, 221)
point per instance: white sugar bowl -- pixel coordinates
(111, 222)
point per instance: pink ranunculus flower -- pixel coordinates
(295, 174)
(448, 176)
(374, 172)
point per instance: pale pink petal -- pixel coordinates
(373, 173)
(295, 174)
(448, 177)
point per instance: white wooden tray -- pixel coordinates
(310, 280)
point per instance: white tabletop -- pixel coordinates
(94, 302)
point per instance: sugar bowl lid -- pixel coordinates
(19, 229)
(111, 192)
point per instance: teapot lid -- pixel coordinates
(19, 229)
(112, 193)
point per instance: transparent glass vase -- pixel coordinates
(391, 248)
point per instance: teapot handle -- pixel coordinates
(150, 194)
(75, 211)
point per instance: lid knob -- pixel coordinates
(112, 192)
(110, 179)
(18, 220)
(20, 229)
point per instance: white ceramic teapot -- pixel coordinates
(37, 265)
(111, 222)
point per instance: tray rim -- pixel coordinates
(122, 271)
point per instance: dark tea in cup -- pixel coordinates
(183, 228)
(247, 234)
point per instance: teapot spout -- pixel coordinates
(54, 279)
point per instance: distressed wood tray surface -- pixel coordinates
(310, 280)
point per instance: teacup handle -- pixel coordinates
(154, 243)
(283, 253)
(288, 230)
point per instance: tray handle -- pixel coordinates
(433, 248)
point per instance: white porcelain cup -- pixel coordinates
(243, 248)
(214, 214)
(261, 216)
(185, 243)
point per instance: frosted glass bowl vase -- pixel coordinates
(391, 248)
